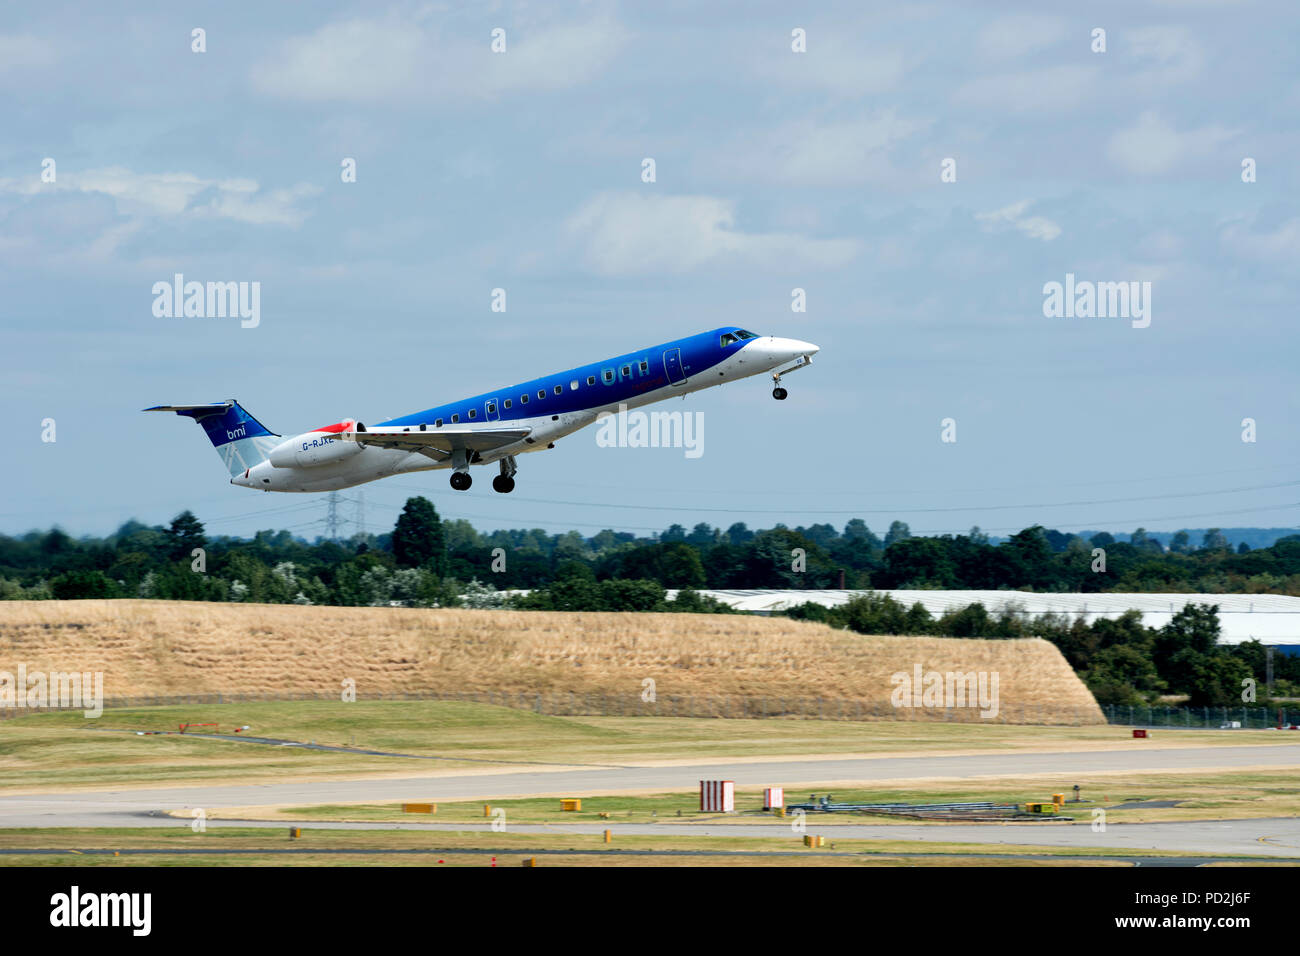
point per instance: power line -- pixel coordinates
(856, 512)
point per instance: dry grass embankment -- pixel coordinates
(160, 647)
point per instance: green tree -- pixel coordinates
(898, 531)
(1214, 540)
(79, 585)
(417, 537)
(184, 535)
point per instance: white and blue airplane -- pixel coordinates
(495, 426)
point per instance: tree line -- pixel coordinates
(427, 560)
(1121, 660)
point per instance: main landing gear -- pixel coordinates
(504, 483)
(779, 393)
(460, 479)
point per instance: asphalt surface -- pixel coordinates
(1279, 837)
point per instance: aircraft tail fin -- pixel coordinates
(239, 438)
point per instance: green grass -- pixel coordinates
(477, 847)
(65, 750)
(1201, 796)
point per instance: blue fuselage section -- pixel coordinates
(620, 379)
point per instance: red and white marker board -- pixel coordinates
(717, 796)
(773, 797)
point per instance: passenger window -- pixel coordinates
(455, 418)
(438, 423)
(523, 399)
(607, 374)
(591, 380)
(473, 413)
(559, 390)
(507, 403)
(627, 371)
(491, 408)
(541, 393)
(645, 367)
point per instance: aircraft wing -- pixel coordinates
(410, 438)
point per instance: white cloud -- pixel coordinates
(1279, 245)
(809, 152)
(1013, 217)
(1170, 54)
(833, 64)
(1013, 36)
(627, 233)
(23, 52)
(177, 194)
(1152, 145)
(1054, 88)
(395, 59)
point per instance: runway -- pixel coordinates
(1280, 837)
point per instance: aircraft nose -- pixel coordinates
(788, 349)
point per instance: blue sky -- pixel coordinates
(775, 170)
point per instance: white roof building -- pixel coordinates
(1267, 618)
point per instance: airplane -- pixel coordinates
(495, 426)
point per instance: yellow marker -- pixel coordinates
(607, 837)
(487, 809)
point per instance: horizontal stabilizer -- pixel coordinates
(182, 409)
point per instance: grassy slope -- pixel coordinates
(158, 647)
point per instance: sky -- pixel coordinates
(921, 171)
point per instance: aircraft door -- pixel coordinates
(491, 410)
(673, 366)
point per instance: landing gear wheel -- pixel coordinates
(779, 393)
(460, 480)
(503, 484)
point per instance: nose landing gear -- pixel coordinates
(780, 393)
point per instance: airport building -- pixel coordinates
(1271, 619)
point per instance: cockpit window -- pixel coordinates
(742, 335)
(728, 338)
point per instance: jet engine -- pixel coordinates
(319, 447)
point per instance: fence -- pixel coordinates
(1258, 716)
(571, 704)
